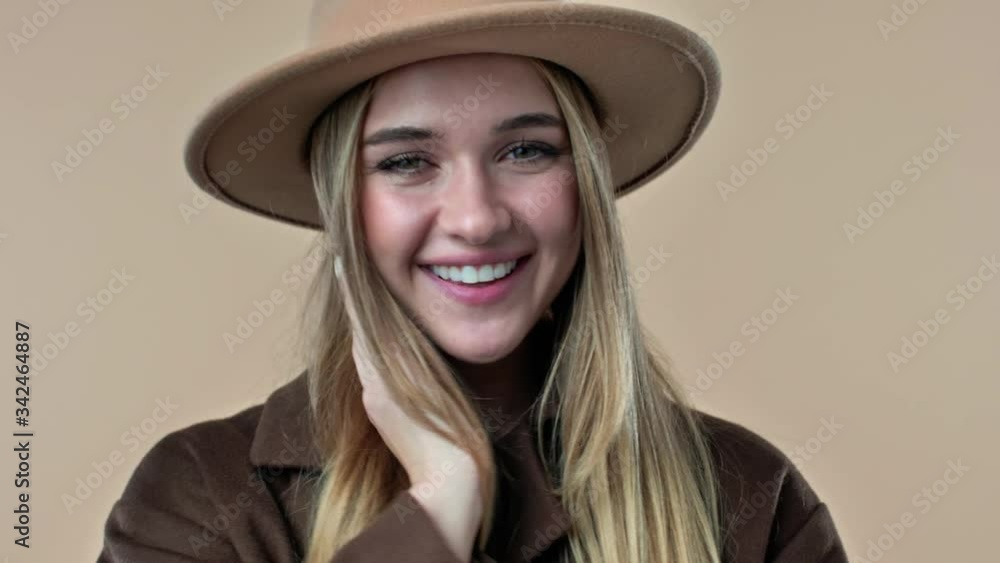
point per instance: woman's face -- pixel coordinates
(466, 168)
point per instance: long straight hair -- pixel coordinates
(629, 458)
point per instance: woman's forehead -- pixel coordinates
(484, 85)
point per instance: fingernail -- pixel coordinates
(338, 270)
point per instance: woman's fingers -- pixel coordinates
(419, 450)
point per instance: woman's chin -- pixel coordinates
(473, 349)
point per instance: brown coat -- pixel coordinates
(237, 489)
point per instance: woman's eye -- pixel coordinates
(540, 150)
(525, 154)
(400, 164)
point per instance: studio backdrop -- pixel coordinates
(822, 268)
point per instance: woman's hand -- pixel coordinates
(443, 477)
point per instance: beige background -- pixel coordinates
(825, 358)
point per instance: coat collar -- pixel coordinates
(283, 438)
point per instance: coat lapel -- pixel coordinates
(283, 437)
(529, 517)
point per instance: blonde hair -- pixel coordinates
(630, 459)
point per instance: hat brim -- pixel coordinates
(657, 80)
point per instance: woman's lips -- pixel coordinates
(481, 293)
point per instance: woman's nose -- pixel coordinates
(471, 207)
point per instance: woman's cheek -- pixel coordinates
(555, 211)
(393, 229)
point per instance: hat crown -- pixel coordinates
(361, 20)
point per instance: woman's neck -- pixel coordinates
(508, 386)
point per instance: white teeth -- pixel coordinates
(472, 274)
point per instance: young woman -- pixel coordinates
(479, 386)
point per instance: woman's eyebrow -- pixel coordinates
(526, 120)
(411, 133)
(402, 133)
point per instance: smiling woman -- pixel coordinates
(478, 383)
(453, 205)
(442, 197)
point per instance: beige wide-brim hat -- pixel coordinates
(656, 79)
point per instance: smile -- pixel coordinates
(474, 275)
(478, 285)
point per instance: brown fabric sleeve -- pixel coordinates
(803, 529)
(403, 533)
(815, 541)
